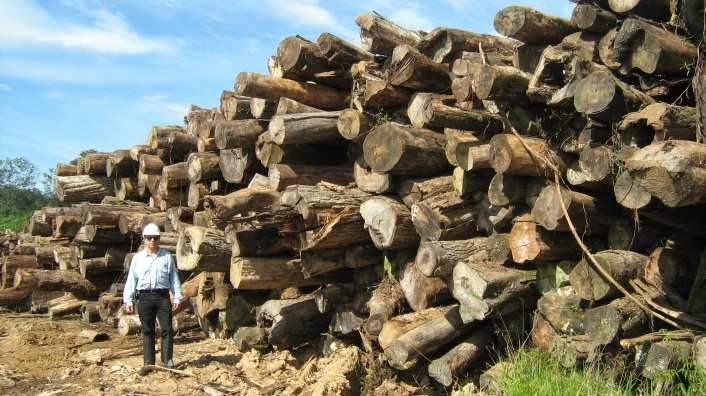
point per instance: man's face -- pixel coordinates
(152, 242)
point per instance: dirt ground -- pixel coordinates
(44, 357)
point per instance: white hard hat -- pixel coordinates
(150, 229)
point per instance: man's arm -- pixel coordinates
(130, 284)
(174, 282)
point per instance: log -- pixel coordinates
(453, 364)
(202, 167)
(370, 181)
(263, 109)
(126, 188)
(410, 69)
(417, 190)
(13, 296)
(95, 163)
(353, 124)
(300, 59)
(509, 155)
(242, 202)
(592, 18)
(291, 322)
(238, 134)
(695, 303)
(199, 123)
(622, 265)
(89, 314)
(65, 170)
(438, 258)
(653, 359)
(484, 289)
(257, 85)
(426, 339)
(325, 199)
(389, 223)
(138, 150)
(548, 75)
(629, 193)
(501, 83)
(261, 273)
(290, 106)
(658, 122)
(531, 26)
(319, 127)
(121, 164)
(314, 263)
(100, 235)
(526, 57)
(602, 96)
(672, 171)
(38, 227)
(340, 52)
(443, 44)
(531, 243)
(174, 177)
(202, 249)
(151, 164)
(429, 111)
(498, 247)
(247, 338)
(372, 92)
(658, 9)
(398, 149)
(445, 216)
(380, 36)
(421, 291)
(69, 307)
(56, 280)
(386, 301)
(108, 306)
(14, 262)
(98, 265)
(207, 145)
(83, 188)
(129, 325)
(235, 164)
(399, 325)
(506, 189)
(234, 107)
(197, 191)
(589, 215)
(643, 46)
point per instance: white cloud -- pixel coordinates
(408, 14)
(5, 88)
(310, 13)
(26, 23)
(462, 5)
(54, 95)
(412, 19)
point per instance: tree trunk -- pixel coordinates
(340, 52)
(69, 307)
(531, 26)
(120, 164)
(319, 96)
(673, 171)
(387, 300)
(426, 339)
(445, 217)
(422, 291)
(289, 106)
(291, 322)
(652, 9)
(243, 202)
(531, 243)
(151, 164)
(622, 265)
(429, 111)
(319, 127)
(506, 189)
(592, 18)
(380, 36)
(56, 280)
(370, 181)
(234, 107)
(371, 93)
(398, 149)
(658, 122)
(587, 213)
(203, 249)
(399, 325)
(238, 134)
(410, 69)
(83, 188)
(501, 83)
(263, 109)
(14, 262)
(95, 163)
(353, 124)
(443, 44)
(389, 223)
(202, 167)
(235, 164)
(454, 364)
(509, 155)
(65, 170)
(314, 263)
(602, 96)
(438, 258)
(484, 288)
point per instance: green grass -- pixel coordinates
(15, 221)
(537, 372)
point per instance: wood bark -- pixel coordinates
(83, 188)
(589, 215)
(622, 265)
(429, 111)
(370, 181)
(592, 18)
(95, 163)
(234, 107)
(509, 155)
(121, 164)
(57, 280)
(238, 134)
(319, 96)
(314, 263)
(340, 52)
(604, 97)
(386, 301)
(528, 242)
(502, 83)
(453, 364)
(291, 322)
(322, 201)
(290, 106)
(372, 92)
(421, 291)
(673, 171)
(439, 257)
(443, 44)
(319, 127)
(380, 36)
(300, 59)
(445, 217)
(415, 190)
(389, 223)
(409, 68)
(151, 164)
(242, 202)
(531, 26)
(12, 263)
(399, 325)
(395, 148)
(261, 273)
(236, 164)
(203, 249)
(658, 122)
(65, 170)
(263, 109)
(202, 167)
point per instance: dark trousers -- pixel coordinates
(156, 306)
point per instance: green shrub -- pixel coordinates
(15, 221)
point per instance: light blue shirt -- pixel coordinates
(155, 271)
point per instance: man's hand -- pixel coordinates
(129, 309)
(175, 306)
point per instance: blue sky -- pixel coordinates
(79, 74)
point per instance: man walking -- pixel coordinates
(152, 276)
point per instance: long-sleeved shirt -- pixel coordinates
(152, 271)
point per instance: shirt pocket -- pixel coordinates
(164, 269)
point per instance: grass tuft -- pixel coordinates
(15, 221)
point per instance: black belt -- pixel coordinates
(153, 291)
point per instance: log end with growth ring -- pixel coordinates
(382, 148)
(595, 93)
(380, 220)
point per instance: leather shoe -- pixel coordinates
(144, 371)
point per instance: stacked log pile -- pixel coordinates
(426, 194)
